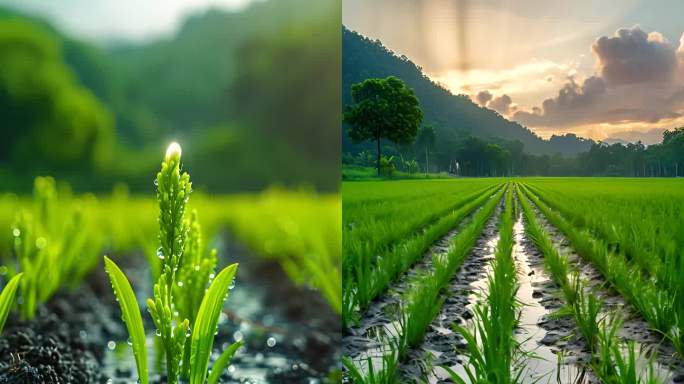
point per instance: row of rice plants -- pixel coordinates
(422, 302)
(657, 306)
(368, 231)
(644, 226)
(493, 353)
(612, 360)
(55, 242)
(372, 277)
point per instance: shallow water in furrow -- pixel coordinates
(634, 327)
(380, 320)
(443, 346)
(535, 286)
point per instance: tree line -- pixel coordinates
(392, 119)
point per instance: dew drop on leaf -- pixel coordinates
(237, 336)
(157, 332)
(16, 232)
(160, 253)
(271, 342)
(232, 284)
(179, 283)
(129, 341)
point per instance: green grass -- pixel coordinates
(355, 172)
(493, 353)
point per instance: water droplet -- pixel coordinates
(237, 336)
(16, 232)
(129, 342)
(41, 242)
(197, 267)
(157, 332)
(231, 368)
(156, 183)
(188, 333)
(179, 283)
(232, 284)
(222, 318)
(110, 381)
(271, 342)
(211, 276)
(160, 253)
(111, 344)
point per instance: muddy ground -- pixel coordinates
(291, 335)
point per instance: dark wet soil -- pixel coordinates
(291, 335)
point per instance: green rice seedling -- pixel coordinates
(415, 315)
(7, 298)
(170, 292)
(617, 362)
(55, 243)
(557, 264)
(586, 309)
(373, 277)
(387, 373)
(492, 349)
(655, 304)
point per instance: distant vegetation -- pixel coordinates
(128, 101)
(469, 140)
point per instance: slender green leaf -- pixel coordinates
(222, 361)
(131, 315)
(206, 323)
(7, 298)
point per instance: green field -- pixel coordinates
(611, 248)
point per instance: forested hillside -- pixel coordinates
(454, 117)
(216, 85)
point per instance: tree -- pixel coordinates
(383, 109)
(48, 119)
(426, 139)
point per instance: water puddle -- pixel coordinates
(544, 365)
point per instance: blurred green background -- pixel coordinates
(250, 92)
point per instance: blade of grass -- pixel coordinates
(130, 312)
(206, 323)
(7, 298)
(222, 361)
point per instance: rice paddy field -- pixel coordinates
(517, 280)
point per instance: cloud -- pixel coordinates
(501, 104)
(483, 97)
(637, 80)
(634, 56)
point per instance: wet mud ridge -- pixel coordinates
(634, 327)
(381, 318)
(442, 346)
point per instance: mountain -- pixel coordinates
(453, 116)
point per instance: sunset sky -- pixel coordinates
(600, 69)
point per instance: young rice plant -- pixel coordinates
(185, 315)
